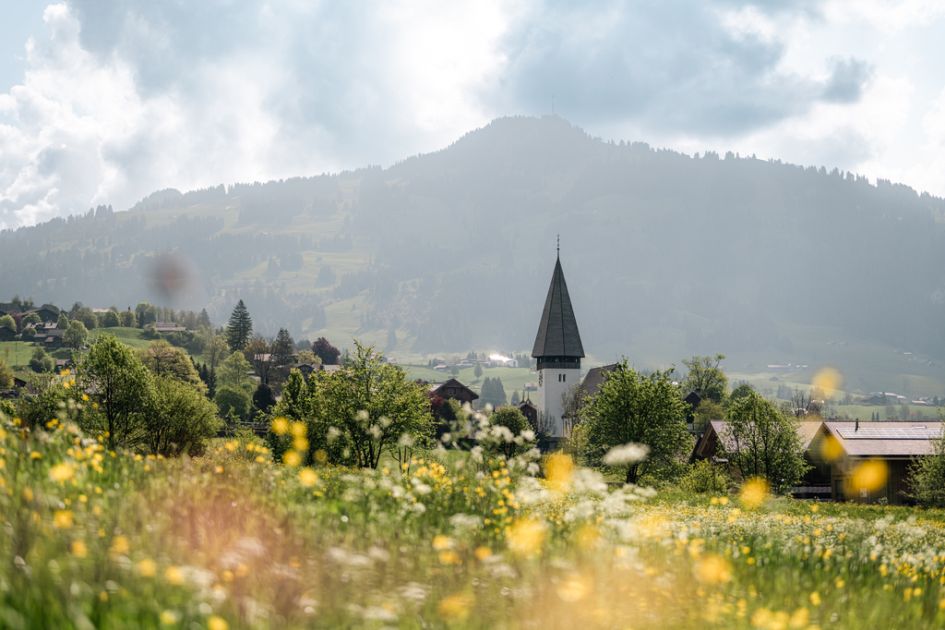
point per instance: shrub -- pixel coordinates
(705, 478)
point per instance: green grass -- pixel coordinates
(16, 354)
(231, 539)
(132, 337)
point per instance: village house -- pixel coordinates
(833, 449)
(453, 390)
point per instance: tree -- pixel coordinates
(514, 420)
(128, 319)
(111, 320)
(372, 404)
(492, 393)
(259, 353)
(117, 381)
(477, 371)
(41, 362)
(234, 373)
(762, 441)
(163, 359)
(85, 315)
(215, 349)
(631, 408)
(325, 351)
(707, 411)
(283, 349)
(179, 418)
(705, 377)
(75, 335)
(240, 327)
(8, 323)
(263, 398)
(927, 476)
(232, 402)
(63, 322)
(145, 314)
(6, 376)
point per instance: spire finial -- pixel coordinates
(558, 246)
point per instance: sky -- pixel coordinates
(106, 102)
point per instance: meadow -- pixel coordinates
(231, 539)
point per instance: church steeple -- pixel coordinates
(558, 339)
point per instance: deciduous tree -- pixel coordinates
(762, 441)
(632, 408)
(117, 381)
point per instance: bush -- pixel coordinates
(180, 419)
(928, 477)
(705, 478)
(41, 362)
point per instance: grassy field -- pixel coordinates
(232, 540)
(129, 336)
(16, 354)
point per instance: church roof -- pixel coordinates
(558, 334)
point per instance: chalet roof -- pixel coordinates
(707, 446)
(595, 378)
(558, 334)
(886, 439)
(436, 387)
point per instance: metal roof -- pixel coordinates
(886, 439)
(558, 334)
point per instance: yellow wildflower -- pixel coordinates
(308, 477)
(559, 467)
(754, 493)
(526, 536)
(147, 568)
(120, 545)
(455, 607)
(441, 542)
(60, 473)
(62, 519)
(280, 426)
(168, 617)
(482, 553)
(174, 575)
(292, 458)
(215, 622)
(79, 550)
(713, 569)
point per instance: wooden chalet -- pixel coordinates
(453, 390)
(834, 449)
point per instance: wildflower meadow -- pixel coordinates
(444, 538)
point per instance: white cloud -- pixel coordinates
(119, 99)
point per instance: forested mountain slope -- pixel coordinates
(663, 252)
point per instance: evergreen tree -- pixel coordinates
(240, 327)
(283, 348)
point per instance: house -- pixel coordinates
(50, 337)
(47, 313)
(168, 327)
(595, 378)
(841, 446)
(530, 412)
(453, 389)
(834, 450)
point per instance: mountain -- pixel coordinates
(665, 254)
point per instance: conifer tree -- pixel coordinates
(240, 327)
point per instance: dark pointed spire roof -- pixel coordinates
(558, 334)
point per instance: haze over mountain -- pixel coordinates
(665, 254)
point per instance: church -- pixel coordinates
(559, 351)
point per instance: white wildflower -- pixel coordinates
(626, 454)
